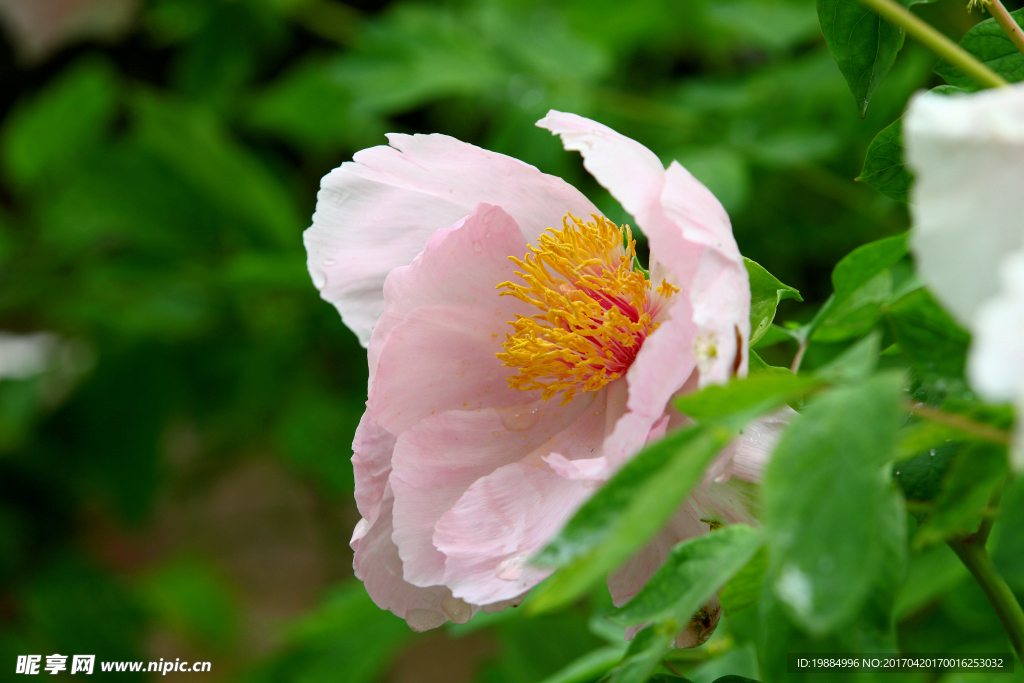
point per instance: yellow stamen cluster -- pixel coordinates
(596, 310)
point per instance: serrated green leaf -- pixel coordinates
(929, 337)
(766, 291)
(626, 512)
(694, 570)
(989, 43)
(884, 168)
(645, 653)
(759, 394)
(830, 462)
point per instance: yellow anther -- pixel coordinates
(595, 310)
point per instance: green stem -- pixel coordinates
(1006, 22)
(936, 42)
(958, 421)
(974, 556)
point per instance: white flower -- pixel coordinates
(967, 153)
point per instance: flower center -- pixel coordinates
(596, 310)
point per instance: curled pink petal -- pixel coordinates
(371, 462)
(440, 457)
(505, 518)
(435, 347)
(377, 564)
(689, 234)
(376, 213)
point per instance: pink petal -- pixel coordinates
(719, 289)
(660, 370)
(375, 213)
(689, 233)
(748, 455)
(503, 519)
(377, 564)
(371, 463)
(630, 171)
(434, 349)
(440, 457)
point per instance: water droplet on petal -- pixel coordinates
(477, 246)
(511, 567)
(421, 620)
(520, 418)
(458, 610)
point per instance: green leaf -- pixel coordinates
(694, 570)
(920, 477)
(870, 628)
(645, 653)
(743, 589)
(858, 313)
(1008, 554)
(863, 44)
(759, 394)
(346, 633)
(856, 363)
(930, 574)
(758, 367)
(929, 337)
(766, 291)
(993, 48)
(626, 512)
(70, 114)
(588, 667)
(864, 263)
(775, 335)
(860, 283)
(884, 168)
(830, 462)
(195, 144)
(964, 493)
(189, 597)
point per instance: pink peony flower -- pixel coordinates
(517, 358)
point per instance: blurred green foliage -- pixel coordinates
(176, 482)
